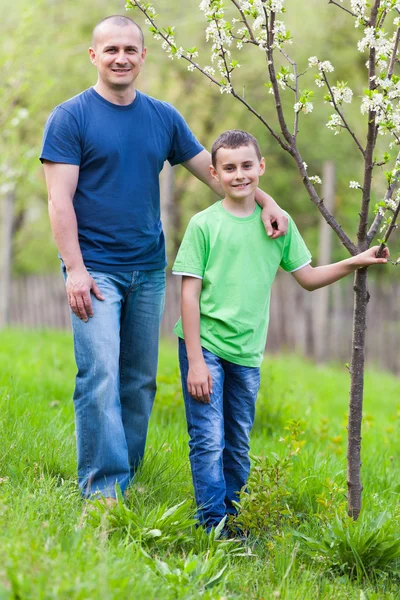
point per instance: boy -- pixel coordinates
(228, 264)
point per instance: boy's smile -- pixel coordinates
(238, 171)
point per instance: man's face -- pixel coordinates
(238, 171)
(118, 55)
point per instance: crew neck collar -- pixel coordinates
(119, 107)
(251, 217)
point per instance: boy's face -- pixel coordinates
(238, 171)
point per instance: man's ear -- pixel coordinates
(92, 55)
(262, 166)
(214, 172)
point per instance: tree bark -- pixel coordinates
(354, 486)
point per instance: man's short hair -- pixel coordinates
(119, 20)
(234, 138)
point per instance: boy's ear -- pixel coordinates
(262, 166)
(213, 172)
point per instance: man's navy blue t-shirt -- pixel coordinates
(120, 151)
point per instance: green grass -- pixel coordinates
(51, 550)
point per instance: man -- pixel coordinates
(103, 151)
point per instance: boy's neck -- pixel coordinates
(240, 207)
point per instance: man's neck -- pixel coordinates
(120, 97)
(240, 208)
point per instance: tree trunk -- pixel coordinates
(354, 485)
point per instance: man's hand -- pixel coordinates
(368, 258)
(199, 382)
(274, 219)
(79, 284)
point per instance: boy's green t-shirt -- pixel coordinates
(237, 262)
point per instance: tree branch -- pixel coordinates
(394, 54)
(272, 75)
(245, 21)
(378, 217)
(319, 203)
(342, 7)
(346, 241)
(341, 115)
(295, 90)
(390, 230)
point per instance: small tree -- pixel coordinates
(258, 23)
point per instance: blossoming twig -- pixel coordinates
(341, 115)
(196, 66)
(394, 54)
(342, 7)
(295, 90)
(245, 22)
(390, 229)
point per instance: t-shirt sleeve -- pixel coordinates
(192, 254)
(61, 139)
(295, 252)
(184, 144)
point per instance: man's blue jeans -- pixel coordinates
(116, 353)
(219, 434)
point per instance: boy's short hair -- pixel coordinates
(234, 138)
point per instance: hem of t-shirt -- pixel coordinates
(186, 274)
(124, 268)
(60, 159)
(225, 356)
(193, 151)
(300, 267)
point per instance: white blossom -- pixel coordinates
(226, 89)
(342, 94)
(315, 179)
(305, 107)
(334, 123)
(354, 184)
(326, 66)
(391, 204)
(209, 70)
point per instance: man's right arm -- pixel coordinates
(61, 180)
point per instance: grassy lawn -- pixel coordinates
(51, 549)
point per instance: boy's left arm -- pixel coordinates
(313, 278)
(274, 219)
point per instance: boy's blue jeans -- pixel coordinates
(219, 434)
(116, 353)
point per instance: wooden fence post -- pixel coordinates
(321, 297)
(167, 205)
(7, 218)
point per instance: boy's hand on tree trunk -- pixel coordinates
(369, 257)
(199, 382)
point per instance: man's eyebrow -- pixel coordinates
(113, 47)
